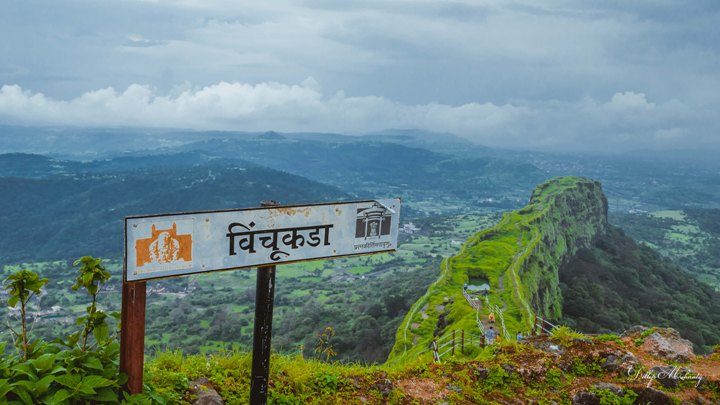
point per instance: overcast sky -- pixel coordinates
(567, 75)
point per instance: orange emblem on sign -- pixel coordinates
(163, 246)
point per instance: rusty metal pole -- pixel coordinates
(264, 301)
(132, 334)
(534, 327)
(462, 341)
(453, 344)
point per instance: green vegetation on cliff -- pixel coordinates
(519, 258)
(618, 283)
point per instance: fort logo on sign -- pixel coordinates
(178, 244)
(164, 248)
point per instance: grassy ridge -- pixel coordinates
(519, 258)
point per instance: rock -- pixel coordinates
(702, 384)
(454, 388)
(206, 394)
(652, 396)
(482, 373)
(664, 375)
(509, 368)
(383, 386)
(585, 398)
(547, 346)
(628, 361)
(611, 363)
(615, 389)
(696, 401)
(667, 344)
(634, 330)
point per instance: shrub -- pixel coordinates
(564, 335)
(610, 337)
(82, 368)
(608, 397)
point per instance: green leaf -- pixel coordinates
(101, 333)
(60, 396)
(122, 379)
(12, 301)
(44, 384)
(69, 380)
(24, 368)
(106, 395)
(93, 362)
(3, 392)
(57, 369)
(86, 389)
(4, 387)
(44, 362)
(24, 396)
(25, 384)
(95, 381)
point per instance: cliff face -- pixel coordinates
(519, 258)
(572, 214)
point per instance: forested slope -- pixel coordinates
(618, 283)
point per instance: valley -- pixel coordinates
(471, 217)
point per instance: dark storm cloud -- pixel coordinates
(552, 74)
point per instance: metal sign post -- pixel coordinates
(265, 295)
(173, 245)
(262, 333)
(132, 334)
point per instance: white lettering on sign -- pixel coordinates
(179, 244)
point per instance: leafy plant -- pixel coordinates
(80, 369)
(583, 369)
(22, 286)
(608, 397)
(564, 335)
(92, 275)
(324, 347)
(610, 337)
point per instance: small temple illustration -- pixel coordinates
(373, 222)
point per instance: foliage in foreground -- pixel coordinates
(502, 373)
(79, 368)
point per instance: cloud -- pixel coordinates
(553, 74)
(627, 120)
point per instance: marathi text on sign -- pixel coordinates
(178, 244)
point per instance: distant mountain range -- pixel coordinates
(54, 209)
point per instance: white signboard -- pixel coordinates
(173, 245)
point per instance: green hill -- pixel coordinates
(519, 258)
(523, 259)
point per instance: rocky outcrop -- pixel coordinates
(204, 392)
(663, 343)
(668, 345)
